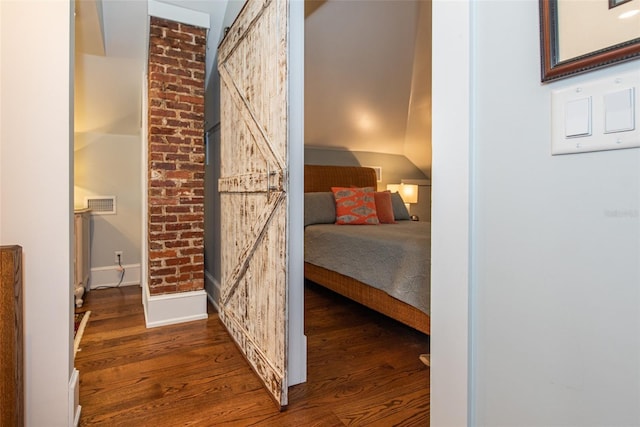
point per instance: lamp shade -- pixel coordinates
(394, 188)
(408, 192)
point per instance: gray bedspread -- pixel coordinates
(395, 258)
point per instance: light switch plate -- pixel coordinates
(614, 115)
(618, 111)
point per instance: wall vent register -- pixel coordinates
(101, 205)
(596, 116)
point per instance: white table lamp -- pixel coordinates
(408, 192)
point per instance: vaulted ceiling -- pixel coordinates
(367, 70)
(367, 77)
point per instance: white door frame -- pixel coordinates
(451, 213)
(297, 339)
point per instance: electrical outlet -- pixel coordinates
(117, 257)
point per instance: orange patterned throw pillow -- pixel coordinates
(355, 205)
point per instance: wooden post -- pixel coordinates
(11, 337)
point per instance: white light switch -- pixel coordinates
(619, 111)
(596, 115)
(577, 118)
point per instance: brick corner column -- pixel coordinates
(176, 79)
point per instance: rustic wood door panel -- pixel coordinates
(253, 154)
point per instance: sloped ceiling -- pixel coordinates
(110, 52)
(89, 27)
(125, 22)
(366, 71)
(367, 77)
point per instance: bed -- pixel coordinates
(384, 267)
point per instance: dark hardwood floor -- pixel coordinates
(363, 369)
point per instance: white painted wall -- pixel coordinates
(36, 194)
(107, 153)
(109, 165)
(107, 94)
(556, 276)
(552, 298)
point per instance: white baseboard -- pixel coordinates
(74, 399)
(110, 276)
(169, 309)
(212, 287)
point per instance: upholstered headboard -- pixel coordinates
(322, 178)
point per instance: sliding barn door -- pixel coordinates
(253, 188)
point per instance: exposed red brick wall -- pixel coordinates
(176, 157)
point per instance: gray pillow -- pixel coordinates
(319, 208)
(399, 209)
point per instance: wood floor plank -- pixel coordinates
(363, 369)
(371, 412)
